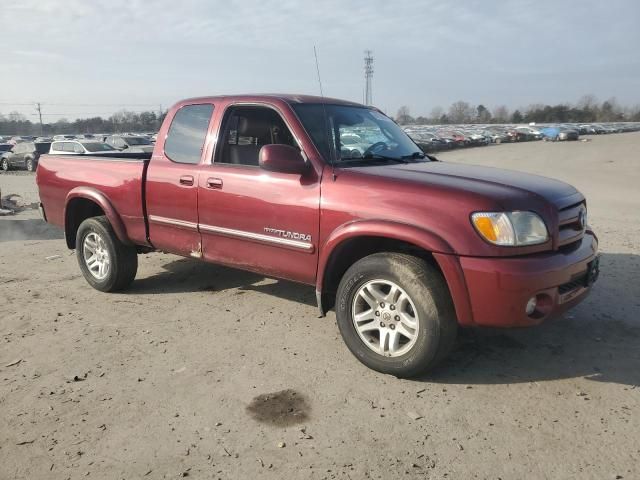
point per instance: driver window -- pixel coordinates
(246, 130)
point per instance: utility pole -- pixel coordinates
(39, 109)
(368, 76)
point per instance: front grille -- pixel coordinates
(570, 228)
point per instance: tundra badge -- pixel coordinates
(288, 234)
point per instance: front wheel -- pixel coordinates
(395, 314)
(29, 164)
(107, 264)
(5, 165)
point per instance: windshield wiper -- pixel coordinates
(377, 156)
(415, 156)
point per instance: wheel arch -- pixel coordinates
(354, 241)
(85, 202)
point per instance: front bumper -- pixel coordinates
(499, 288)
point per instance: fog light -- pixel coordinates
(531, 306)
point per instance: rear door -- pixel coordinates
(172, 181)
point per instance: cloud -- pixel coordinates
(426, 52)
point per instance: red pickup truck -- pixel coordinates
(332, 194)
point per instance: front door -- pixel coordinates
(172, 182)
(250, 218)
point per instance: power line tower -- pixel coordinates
(368, 76)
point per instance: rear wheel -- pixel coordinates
(107, 264)
(395, 314)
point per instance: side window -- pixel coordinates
(77, 148)
(246, 130)
(56, 147)
(67, 147)
(187, 133)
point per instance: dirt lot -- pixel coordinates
(165, 380)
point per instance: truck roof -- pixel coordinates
(290, 98)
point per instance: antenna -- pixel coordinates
(326, 125)
(315, 53)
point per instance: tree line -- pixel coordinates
(586, 110)
(16, 123)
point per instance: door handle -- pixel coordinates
(214, 183)
(186, 180)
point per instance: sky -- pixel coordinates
(84, 58)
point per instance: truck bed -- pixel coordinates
(118, 178)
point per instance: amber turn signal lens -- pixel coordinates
(485, 227)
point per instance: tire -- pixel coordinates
(424, 294)
(122, 260)
(29, 165)
(5, 165)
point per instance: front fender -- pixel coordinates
(417, 236)
(101, 200)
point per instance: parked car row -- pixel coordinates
(433, 138)
(24, 151)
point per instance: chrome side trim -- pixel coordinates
(258, 237)
(173, 222)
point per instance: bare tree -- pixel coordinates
(610, 111)
(588, 102)
(16, 117)
(461, 112)
(501, 114)
(436, 115)
(403, 117)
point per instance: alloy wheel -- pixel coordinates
(96, 256)
(385, 318)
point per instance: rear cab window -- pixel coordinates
(187, 133)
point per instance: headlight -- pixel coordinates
(510, 229)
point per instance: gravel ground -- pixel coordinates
(206, 372)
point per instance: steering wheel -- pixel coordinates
(375, 147)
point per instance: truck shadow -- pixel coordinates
(598, 340)
(28, 229)
(187, 275)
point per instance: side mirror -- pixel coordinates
(281, 159)
(125, 146)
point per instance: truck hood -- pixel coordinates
(495, 183)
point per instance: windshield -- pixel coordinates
(355, 134)
(137, 141)
(98, 147)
